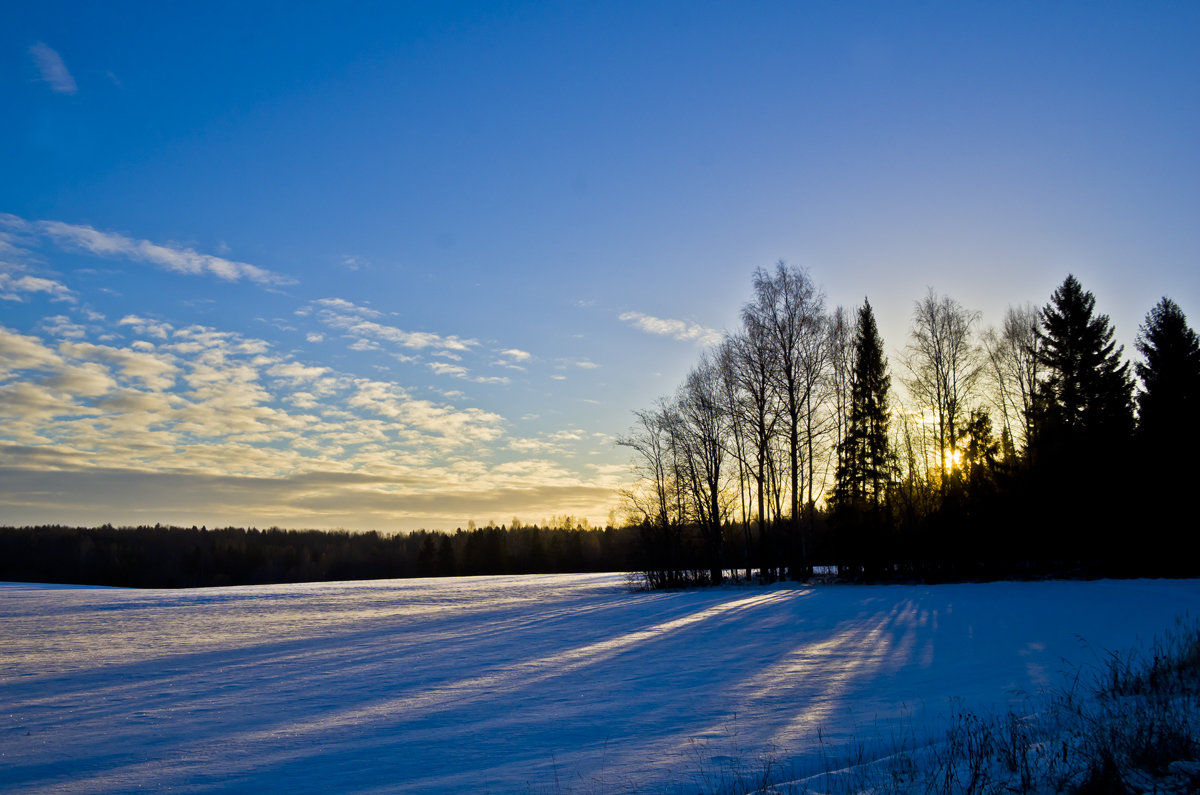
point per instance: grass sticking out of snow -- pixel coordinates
(1130, 726)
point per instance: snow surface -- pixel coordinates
(518, 684)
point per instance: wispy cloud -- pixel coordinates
(166, 256)
(342, 305)
(53, 70)
(175, 258)
(681, 330)
(358, 321)
(442, 368)
(12, 287)
(62, 326)
(512, 358)
(458, 371)
(516, 354)
(151, 328)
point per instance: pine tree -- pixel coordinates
(1083, 470)
(1087, 398)
(1169, 403)
(1168, 432)
(864, 460)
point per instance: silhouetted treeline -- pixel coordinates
(1026, 450)
(176, 557)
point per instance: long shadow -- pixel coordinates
(512, 676)
(91, 696)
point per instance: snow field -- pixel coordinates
(519, 684)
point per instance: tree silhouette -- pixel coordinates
(789, 310)
(702, 435)
(944, 366)
(1168, 434)
(1012, 355)
(864, 459)
(1082, 450)
(1169, 402)
(1087, 394)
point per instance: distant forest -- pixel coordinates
(183, 557)
(1025, 450)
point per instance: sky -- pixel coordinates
(400, 265)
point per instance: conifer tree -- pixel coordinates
(864, 460)
(1168, 433)
(1169, 403)
(1082, 467)
(1087, 397)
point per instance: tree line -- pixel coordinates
(180, 557)
(1028, 449)
(1020, 450)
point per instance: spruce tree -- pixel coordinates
(1168, 433)
(1083, 472)
(864, 460)
(1087, 397)
(1169, 402)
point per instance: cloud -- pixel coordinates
(11, 288)
(150, 328)
(511, 357)
(353, 319)
(22, 352)
(681, 330)
(53, 70)
(63, 326)
(411, 339)
(342, 305)
(90, 379)
(458, 371)
(296, 373)
(154, 370)
(204, 425)
(174, 258)
(453, 425)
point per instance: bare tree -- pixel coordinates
(944, 366)
(655, 497)
(815, 352)
(832, 407)
(752, 359)
(702, 434)
(1013, 365)
(841, 333)
(741, 427)
(789, 308)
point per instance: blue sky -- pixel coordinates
(409, 264)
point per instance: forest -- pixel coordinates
(184, 557)
(1026, 450)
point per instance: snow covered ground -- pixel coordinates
(517, 684)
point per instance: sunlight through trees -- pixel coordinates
(1008, 451)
